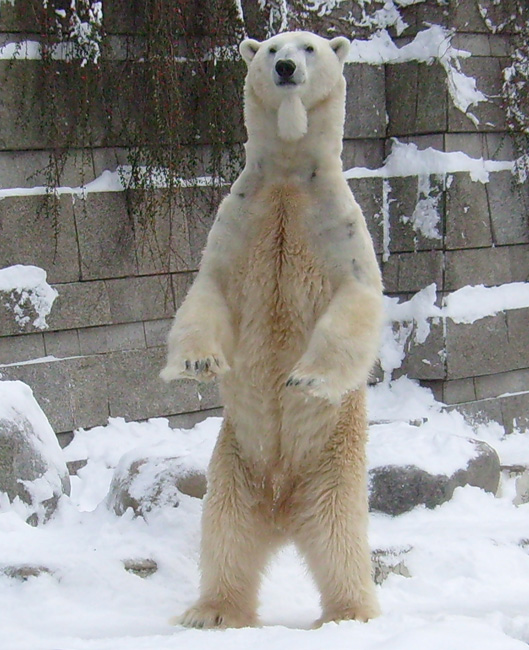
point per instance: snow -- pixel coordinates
(466, 305)
(27, 284)
(406, 159)
(110, 181)
(469, 569)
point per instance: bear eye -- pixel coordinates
(273, 50)
(309, 48)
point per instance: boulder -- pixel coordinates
(148, 483)
(395, 489)
(33, 473)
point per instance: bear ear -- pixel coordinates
(248, 49)
(340, 46)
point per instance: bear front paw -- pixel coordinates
(327, 386)
(199, 367)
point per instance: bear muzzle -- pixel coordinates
(285, 69)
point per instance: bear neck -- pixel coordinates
(318, 149)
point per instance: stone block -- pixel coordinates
(157, 331)
(162, 239)
(426, 360)
(50, 383)
(141, 298)
(106, 236)
(28, 169)
(62, 344)
(136, 392)
(411, 272)
(363, 153)
(14, 349)
(365, 107)
(72, 392)
(368, 194)
(80, 304)
(514, 381)
(416, 96)
(518, 330)
(188, 420)
(464, 16)
(509, 209)
(200, 213)
(467, 213)
(88, 392)
(181, 283)
(122, 17)
(489, 146)
(416, 208)
(487, 71)
(480, 412)
(430, 12)
(21, 16)
(480, 348)
(488, 266)
(112, 338)
(482, 44)
(29, 236)
(515, 412)
(458, 391)
(26, 124)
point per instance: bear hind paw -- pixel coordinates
(214, 615)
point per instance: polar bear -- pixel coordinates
(286, 311)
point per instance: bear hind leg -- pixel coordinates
(332, 538)
(237, 542)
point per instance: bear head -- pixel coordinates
(293, 72)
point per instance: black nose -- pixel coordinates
(285, 68)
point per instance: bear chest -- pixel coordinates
(283, 287)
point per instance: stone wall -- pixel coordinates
(119, 287)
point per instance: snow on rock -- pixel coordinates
(33, 474)
(29, 295)
(396, 488)
(145, 482)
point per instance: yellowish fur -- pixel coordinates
(286, 310)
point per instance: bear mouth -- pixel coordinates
(286, 82)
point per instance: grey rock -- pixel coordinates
(397, 489)
(30, 470)
(146, 484)
(389, 561)
(24, 571)
(142, 567)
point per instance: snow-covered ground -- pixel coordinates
(469, 558)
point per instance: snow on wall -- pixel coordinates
(466, 305)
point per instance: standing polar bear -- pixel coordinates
(286, 310)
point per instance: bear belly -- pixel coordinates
(281, 291)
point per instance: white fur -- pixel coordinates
(286, 309)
